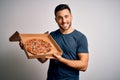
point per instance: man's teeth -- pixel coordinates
(65, 25)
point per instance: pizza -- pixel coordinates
(37, 46)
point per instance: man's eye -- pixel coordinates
(66, 16)
(59, 18)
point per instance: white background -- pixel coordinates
(99, 20)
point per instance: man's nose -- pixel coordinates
(64, 20)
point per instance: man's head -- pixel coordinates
(63, 16)
(61, 7)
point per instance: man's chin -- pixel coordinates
(65, 28)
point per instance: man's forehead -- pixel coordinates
(63, 12)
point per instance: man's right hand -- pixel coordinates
(42, 60)
(21, 45)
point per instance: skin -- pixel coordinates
(64, 20)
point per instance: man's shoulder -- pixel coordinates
(77, 32)
(53, 32)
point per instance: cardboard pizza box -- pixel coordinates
(16, 37)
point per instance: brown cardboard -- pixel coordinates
(47, 37)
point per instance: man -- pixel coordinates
(74, 45)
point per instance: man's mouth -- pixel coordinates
(64, 25)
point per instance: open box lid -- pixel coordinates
(15, 37)
(46, 36)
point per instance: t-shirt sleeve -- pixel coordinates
(82, 45)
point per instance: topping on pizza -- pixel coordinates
(37, 46)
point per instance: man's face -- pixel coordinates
(64, 19)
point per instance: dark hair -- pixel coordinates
(61, 7)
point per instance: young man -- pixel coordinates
(74, 45)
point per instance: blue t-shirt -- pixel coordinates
(71, 44)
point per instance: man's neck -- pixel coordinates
(70, 30)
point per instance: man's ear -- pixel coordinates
(55, 19)
(71, 16)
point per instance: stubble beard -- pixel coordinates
(65, 29)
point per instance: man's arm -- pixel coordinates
(80, 64)
(42, 60)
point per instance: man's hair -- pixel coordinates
(61, 7)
